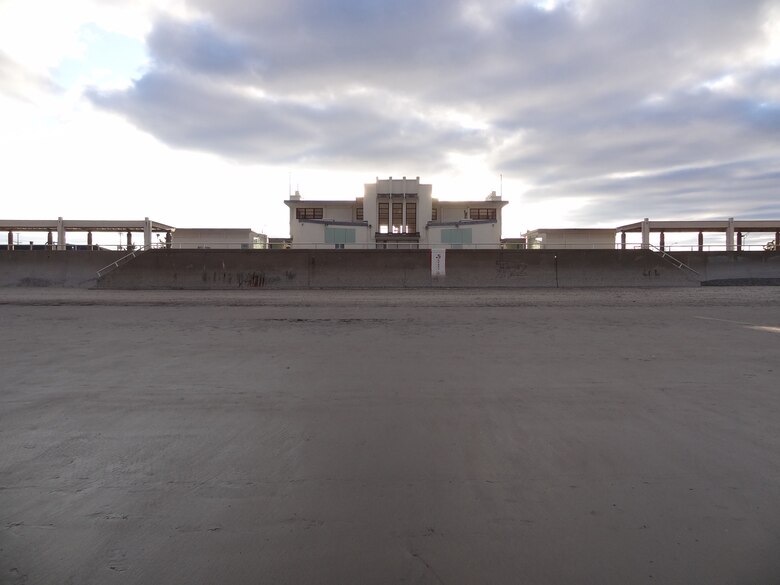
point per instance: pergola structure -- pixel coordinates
(62, 226)
(729, 227)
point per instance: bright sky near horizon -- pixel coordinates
(201, 113)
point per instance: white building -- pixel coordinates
(395, 213)
(218, 238)
(571, 238)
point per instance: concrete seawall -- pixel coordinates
(292, 269)
(301, 269)
(41, 268)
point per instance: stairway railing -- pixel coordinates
(676, 262)
(123, 260)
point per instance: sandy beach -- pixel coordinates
(604, 436)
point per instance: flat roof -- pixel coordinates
(479, 203)
(704, 226)
(309, 202)
(80, 225)
(460, 222)
(334, 222)
(212, 230)
(545, 230)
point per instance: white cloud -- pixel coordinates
(771, 29)
(723, 83)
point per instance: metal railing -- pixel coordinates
(705, 248)
(123, 260)
(634, 245)
(666, 247)
(677, 263)
(392, 246)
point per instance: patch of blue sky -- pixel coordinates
(106, 59)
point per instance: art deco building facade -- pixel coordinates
(395, 213)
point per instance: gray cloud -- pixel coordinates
(258, 129)
(200, 46)
(576, 100)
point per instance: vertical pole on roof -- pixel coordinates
(663, 241)
(739, 241)
(10, 240)
(701, 241)
(49, 241)
(622, 240)
(89, 239)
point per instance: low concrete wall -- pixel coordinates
(57, 268)
(734, 265)
(291, 269)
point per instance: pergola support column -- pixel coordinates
(701, 241)
(49, 241)
(739, 241)
(730, 235)
(662, 241)
(147, 233)
(89, 239)
(622, 240)
(10, 240)
(129, 240)
(646, 234)
(60, 234)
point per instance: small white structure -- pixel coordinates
(572, 238)
(395, 213)
(218, 239)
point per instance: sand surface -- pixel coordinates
(438, 436)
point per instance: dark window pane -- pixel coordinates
(411, 217)
(482, 213)
(308, 213)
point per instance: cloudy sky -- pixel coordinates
(201, 113)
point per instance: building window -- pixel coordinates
(456, 237)
(482, 213)
(339, 236)
(398, 217)
(435, 214)
(411, 217)
(359, 214)
(384, 217)
(308, 213)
